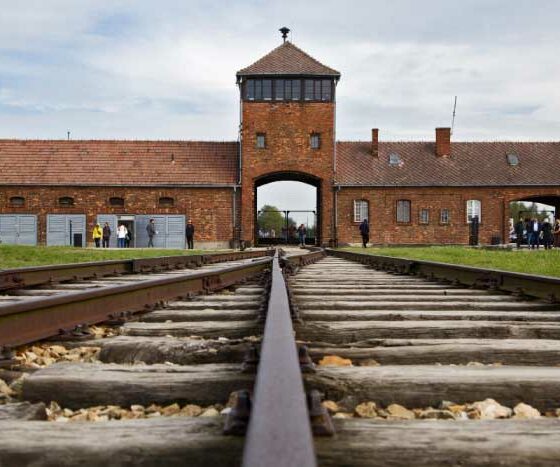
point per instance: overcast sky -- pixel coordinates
(145, 69)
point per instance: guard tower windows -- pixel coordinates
(283, 89)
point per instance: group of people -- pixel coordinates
(124, 235)
(537, 233)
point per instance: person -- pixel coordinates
(302, 232)
(97, 234)
(106, 235)
(556, 233)
(151, 229)
(189, 233)
(533, 233)
(364, 232)
(121, 235)
(519, 229)
(546, 229)
(292, 231)
(128, 238)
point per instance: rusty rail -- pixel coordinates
(40, 318)
(32, 276)
(279, 432)
(530, 285)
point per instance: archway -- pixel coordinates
(540, 207)
(283, 201)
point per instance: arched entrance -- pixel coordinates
(540, 207)
(276, 221)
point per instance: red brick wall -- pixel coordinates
(288, 126)
(211, 209)
(382, 213)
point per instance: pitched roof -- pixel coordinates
(287, 59)
(470, 164)
(142, 163)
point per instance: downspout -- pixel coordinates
(240, 158)
(234, 205)
(334, 229)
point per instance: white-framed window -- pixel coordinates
(261, 141)
(403, 211)
(473, 209)
(424, 216)
(444, 216)
(315, 140)
(361, 210)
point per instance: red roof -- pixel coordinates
(470, 164)
(118, 162)
(287, 59)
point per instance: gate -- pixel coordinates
(18, 229)
(170, 231)
(65, 229)
(276, 227)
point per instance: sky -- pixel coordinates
(141, 69)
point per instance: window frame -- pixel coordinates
(66, 201)
(322, 89)
(112, 201)
(16, 201)
(421, 220)
(315, 136)
(448, 216)
(163, 201)
(472, 210)
(359, 205)
(257, 139)
(402, 222)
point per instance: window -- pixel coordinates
(444, 216)
(250, 90)
(17, 201)
(326, 93)
(403, 211)
(315, 140)
(66, 201)
(361, 208)
(261, 140)
(309, 89)
(166, 201)
(267, 89)
(424, 216)
(296, 89)
(279, 90)
(116, 201)
(394, 159)
(512, 159)
(258, 90)
(473, 209)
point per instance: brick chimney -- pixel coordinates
(375, 142)
(443, 142)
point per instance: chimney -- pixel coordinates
(375, 142)
(443, 142)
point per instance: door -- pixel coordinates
(175, 234)
(61, 229)
(170, 231)
(112, 221)
(18, 229)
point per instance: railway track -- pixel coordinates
(406, 366)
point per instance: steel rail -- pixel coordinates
(279, 433)
(38, 275)
(544, 287)
(39, 318)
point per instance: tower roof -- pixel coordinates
(287, 59)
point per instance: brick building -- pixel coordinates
(53, 192)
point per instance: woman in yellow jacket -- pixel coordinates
(97, 234)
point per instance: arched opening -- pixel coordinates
(543, 208)
(285, 205)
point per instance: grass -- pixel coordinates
(546, 263)
(17, 256)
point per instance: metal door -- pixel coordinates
(18, 229)
(170, 231)
(112, 221)
(62, 227)
(175, 234)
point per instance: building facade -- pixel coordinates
(54, 192)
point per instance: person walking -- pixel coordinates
(189, 233)
(121, 235)
(106, 235)
(302, 232)
(556, 233)
(533, 233)
(547, 238)
(151, 229)
(97, 234)
(364, 232)
(519, 230)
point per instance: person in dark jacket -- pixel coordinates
(547, 238)
(189, 233)
(151, 229)
(302, 232)
(364, 232)
(533, 233)
(106, 235)
(519, 230)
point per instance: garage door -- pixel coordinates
(61, 229)
(18, 229)
(111, 219)
(170, 231)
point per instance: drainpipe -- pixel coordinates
(336, 190)
(234, 217)
(240, 158)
